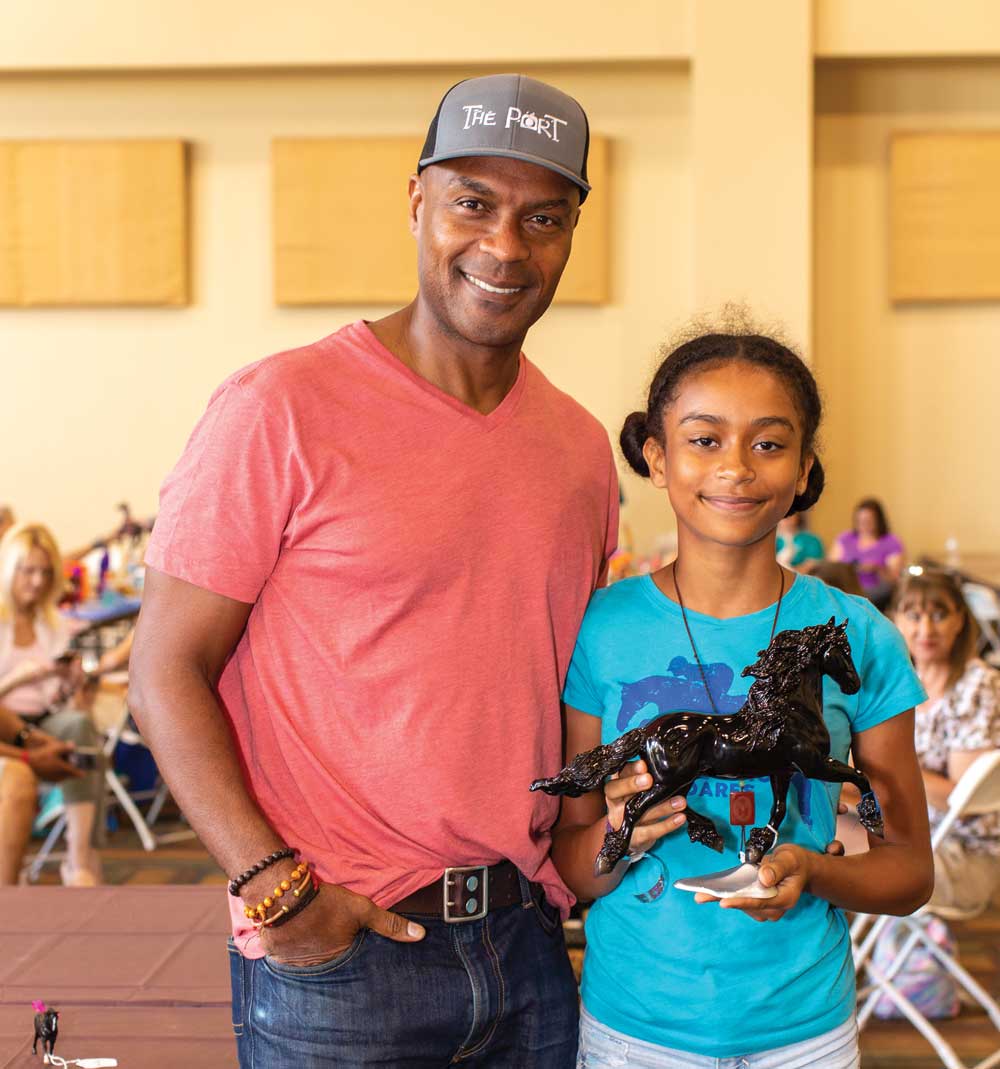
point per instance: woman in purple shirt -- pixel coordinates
(873, 549)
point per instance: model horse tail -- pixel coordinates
(588, 770)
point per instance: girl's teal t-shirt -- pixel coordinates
(698, 978)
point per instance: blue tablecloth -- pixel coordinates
(107, 610)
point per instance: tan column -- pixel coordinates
(752, 115)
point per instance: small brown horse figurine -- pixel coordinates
(779, 731)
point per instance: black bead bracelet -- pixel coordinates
(255, 870)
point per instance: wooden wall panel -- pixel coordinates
(587, 278)
(945, 216)
(340, 220)
(9, 289)
(94, 223)
(341, 234)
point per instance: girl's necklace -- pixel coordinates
(687, 628)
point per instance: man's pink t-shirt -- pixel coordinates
(418, 573)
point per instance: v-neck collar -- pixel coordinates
(488, 422)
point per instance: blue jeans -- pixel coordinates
(604, 1048)
(497, 992)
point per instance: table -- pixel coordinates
(137, 973)
(93, 623)
(100, 612)
(973, 567)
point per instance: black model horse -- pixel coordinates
(779, 731)
(46, 1029)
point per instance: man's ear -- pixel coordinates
(416, 193)
(656, 461)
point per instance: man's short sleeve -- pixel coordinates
(611, 535)
(224, 507)
(889, 685)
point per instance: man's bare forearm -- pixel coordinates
(180, 718)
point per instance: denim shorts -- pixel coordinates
(496, 992)
(604, 1048)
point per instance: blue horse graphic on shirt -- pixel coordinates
(684, 688)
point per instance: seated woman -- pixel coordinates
(37, 676)
(959, 721)
(27, 755)
(797, 545)
(873, 549)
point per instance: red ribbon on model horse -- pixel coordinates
(779, 731)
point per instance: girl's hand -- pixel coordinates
(656, 822)
(789, 869)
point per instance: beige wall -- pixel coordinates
(150, 34)
(912, 390)
(714, 197)
(100, 401)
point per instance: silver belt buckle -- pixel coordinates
(481, 891)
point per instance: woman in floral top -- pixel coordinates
(959, 721)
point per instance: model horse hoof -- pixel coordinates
(603, 865)
(870, 815)
(705, 834)
(759, 842)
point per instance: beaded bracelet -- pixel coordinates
(307, 896)
(304, 893)
(245, 877)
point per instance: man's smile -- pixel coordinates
(491, 287)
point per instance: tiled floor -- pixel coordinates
(885, 1044)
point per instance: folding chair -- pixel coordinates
(123, 730)
(976, 793)
(984, 604)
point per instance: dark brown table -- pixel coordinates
(137, 973)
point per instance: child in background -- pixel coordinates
(797, 546)
(674, 980)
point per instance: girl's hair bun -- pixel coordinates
(632, 439)
(814, 487)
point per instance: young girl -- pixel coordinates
(671, 979)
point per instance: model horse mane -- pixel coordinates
(777, 673)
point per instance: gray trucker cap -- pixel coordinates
(511, 115)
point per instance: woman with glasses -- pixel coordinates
(37, 678)
(959, 721)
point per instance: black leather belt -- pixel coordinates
(465, 893)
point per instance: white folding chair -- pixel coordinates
(984, 604)
(119, 793)
(976, 793)
(125, 731)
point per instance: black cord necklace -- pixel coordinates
(687, 627)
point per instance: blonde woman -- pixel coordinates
(37, 677)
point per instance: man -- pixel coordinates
(385, 542)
